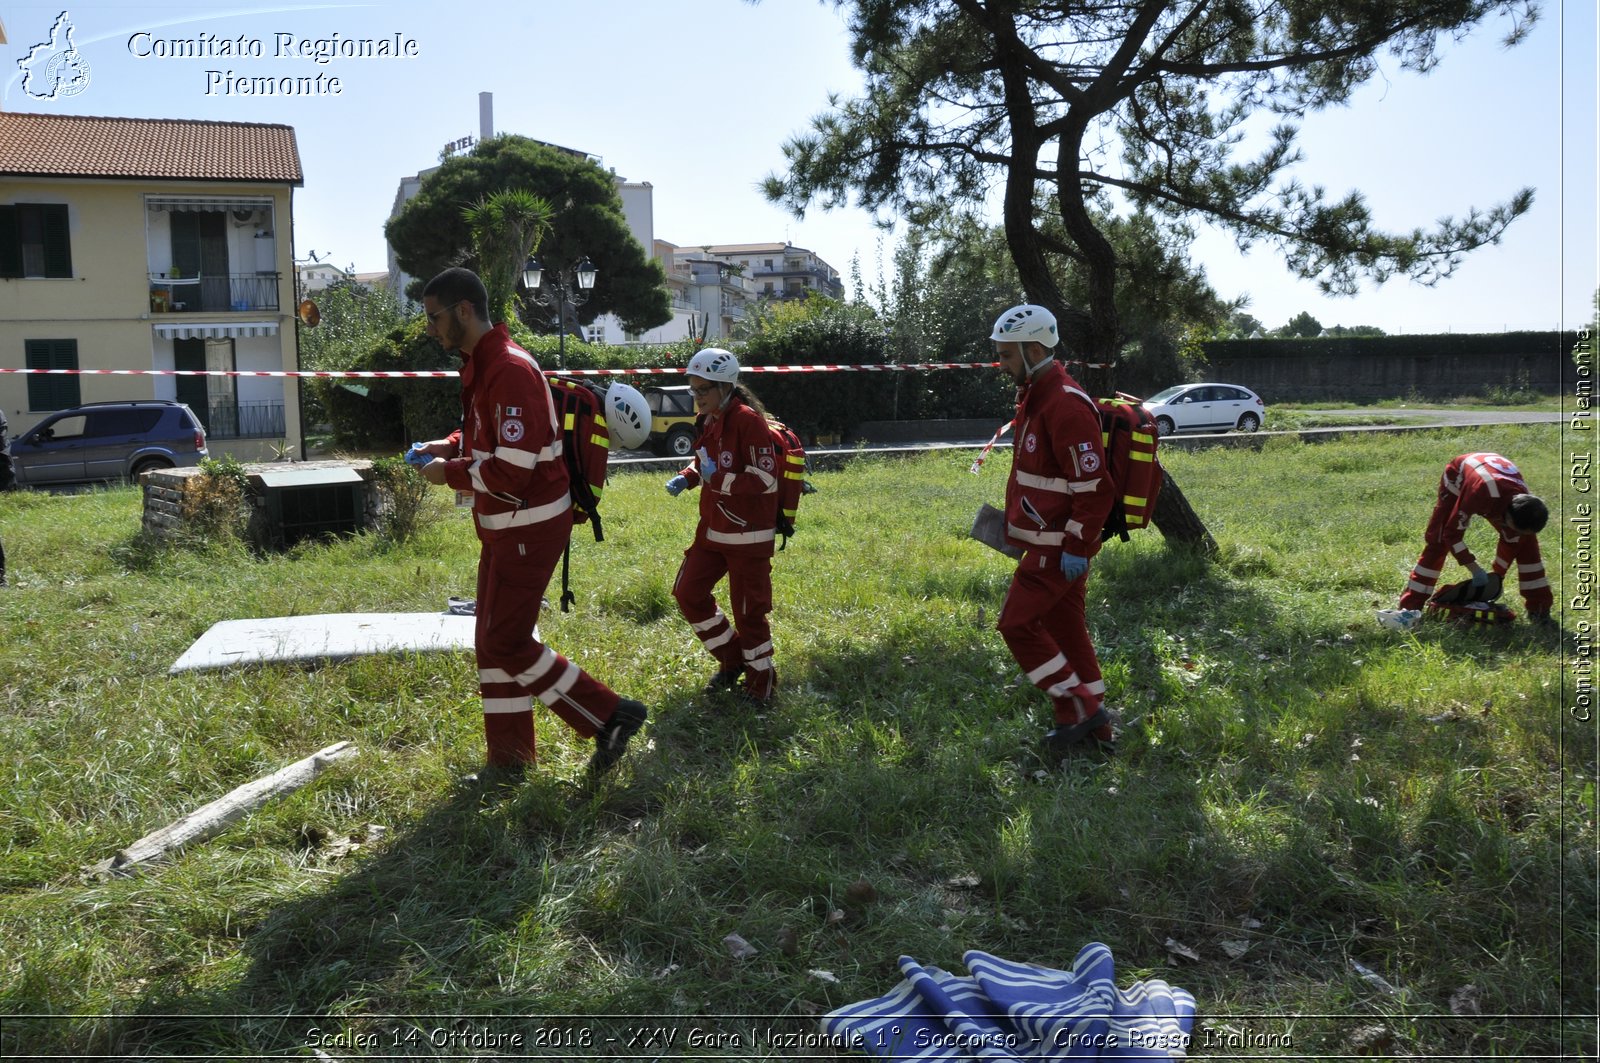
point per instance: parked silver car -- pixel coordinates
(1206, 408)
(108, 441)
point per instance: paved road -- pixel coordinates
(1407, 414)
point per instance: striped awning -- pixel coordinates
(199, 330)
(207, 203)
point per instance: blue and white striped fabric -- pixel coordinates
(1018, 1011)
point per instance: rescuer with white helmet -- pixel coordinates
(1057, 499)
(737, 468)
(1026, 324)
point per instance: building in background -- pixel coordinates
(779, 271)
(712, 286)
(152, 244)
(312, 277)
(399, 280)
(710, 298)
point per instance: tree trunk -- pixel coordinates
(1096, 335)
(1177, 520)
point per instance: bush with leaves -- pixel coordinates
(820, 330)
(216, 504)
(404, 511)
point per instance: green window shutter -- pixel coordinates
(10, 243)
(57, 241)
(52, 392)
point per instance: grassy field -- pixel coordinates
(1296, 791)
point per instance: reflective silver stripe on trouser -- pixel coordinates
(741, 538)
(1038, 538)
(521, 703)
(1422, 580)
(1531, 577)
(704, 626)
(1053, 665)
(760, 658)
(523, 517)
(557, 691)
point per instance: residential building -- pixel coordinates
(315, 276)
(780, 271)
(711, 298)
(151, 244)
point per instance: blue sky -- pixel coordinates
(697, 98)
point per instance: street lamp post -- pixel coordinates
(558, 291)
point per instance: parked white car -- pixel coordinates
(1206, 408)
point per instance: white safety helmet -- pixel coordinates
(714, 363)
(627, 416)
(1026, 324)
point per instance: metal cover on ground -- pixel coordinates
(327, 636)
(310, 477)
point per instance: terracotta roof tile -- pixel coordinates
(74, 146)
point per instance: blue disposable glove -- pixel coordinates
(676, 485)
(708, 468)
(1073, 566)
(417, 456)
(1480, 580)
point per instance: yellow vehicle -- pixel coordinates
(671, 420)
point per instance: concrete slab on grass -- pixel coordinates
(326, 636)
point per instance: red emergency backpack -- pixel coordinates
(585, 446)
(1128, 435)
(791, 473)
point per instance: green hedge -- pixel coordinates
(1444, 345)
(391, 413)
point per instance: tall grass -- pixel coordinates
(1295, 792)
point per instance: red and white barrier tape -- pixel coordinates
(977, 463)
(671, 370)
(424, 373)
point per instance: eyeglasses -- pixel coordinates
(433, 317)
(704, 389)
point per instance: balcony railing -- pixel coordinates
(213, 293)
(245, 420)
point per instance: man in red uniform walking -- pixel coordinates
(507, 453)
(1489, 486)
(737, 471)
(1057, 499)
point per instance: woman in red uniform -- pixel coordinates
(736, 468)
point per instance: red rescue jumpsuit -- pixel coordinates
(1478, 485)
(1057, 499)
(511, 461)
(738, 526)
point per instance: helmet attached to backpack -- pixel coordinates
(1026, 323)
(627, 415)
(715, 364)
